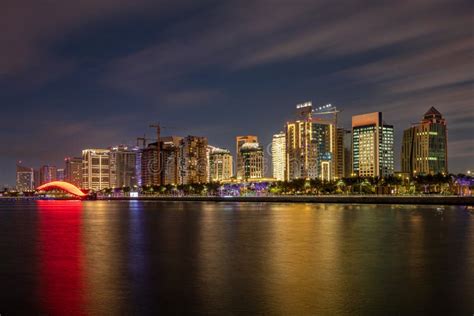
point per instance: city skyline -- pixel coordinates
(208, 69)
(331, 133)
(313, 147)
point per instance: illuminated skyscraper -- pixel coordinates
(170, 159)
(324, 140)
(240, 140)
(95, 169)
(279, 156)
(311, 144)
(193, 162)
(220, 164)
(252, 161)
(73, 171)
(372, 146)
(342, 154)
(24, 178)
(48, 174)
(149, 172)
(424, 147)
(123, 167)
(300, 151)
(168, 172)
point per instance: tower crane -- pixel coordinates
(326, 109)
(144, 141)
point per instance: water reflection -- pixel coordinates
(61, 270)
(108, 258)
(104, 242)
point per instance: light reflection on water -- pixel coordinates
(109, 258)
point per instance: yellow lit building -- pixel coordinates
(279, 156)
(252, 161)
(424, 147)
(95, 169)
(193, 161)
(239, 141)
(311, 145)
(372, 146)
(220, 164)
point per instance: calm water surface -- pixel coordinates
(117, 258)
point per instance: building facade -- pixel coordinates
(73, 171)
(252, 161)
(312, 145)
(170, 160)
(424, 146)
(24, 178)
(220, 164)
(60, 174)
(279, 156)
(123, 166)
(193, 162)
(95, 169)
(168, 170)
(342, 158)
(239, 141)
(372, 146)
(347, 153)
(300, 151)
(324, 136)
(48, 174)
(150, 174)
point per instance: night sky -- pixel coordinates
(92, 73)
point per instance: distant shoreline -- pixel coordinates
(348, 199)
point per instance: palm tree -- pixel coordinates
(329, 187)
(298, 185)
(392, 181)
(341, 186)
(316, 185)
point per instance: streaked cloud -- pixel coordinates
(246, 61)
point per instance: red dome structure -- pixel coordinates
(65, 186)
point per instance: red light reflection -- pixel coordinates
(60, 257)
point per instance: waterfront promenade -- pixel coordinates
(343, 199)
(351, 199)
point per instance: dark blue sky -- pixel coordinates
(81, 74)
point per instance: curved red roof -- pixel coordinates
(65, 186)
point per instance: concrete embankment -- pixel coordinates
(380, 199)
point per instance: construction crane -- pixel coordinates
(326, 109)
(158, 128)
(144, 141)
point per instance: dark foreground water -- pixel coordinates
(117, 258)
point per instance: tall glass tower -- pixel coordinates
(372, 146)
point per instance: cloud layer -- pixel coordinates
(228, 67)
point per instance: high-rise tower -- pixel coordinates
(279, 156)
(95, 169)
(372, 146)
(424, 147)
(220, 164)
(239, 141)
(73, 171)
